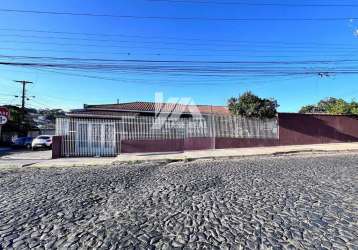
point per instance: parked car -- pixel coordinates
(23, 142)
(42, 141)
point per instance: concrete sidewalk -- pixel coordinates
(20, 158)
(200, 154)
(239, 152)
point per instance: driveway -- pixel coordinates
(19, 158)
(281, 202)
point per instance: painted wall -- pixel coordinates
(294, 129)
(147, 146)
(298, 129)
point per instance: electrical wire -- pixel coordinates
(201, 44)
(263, 4)
(178, 18)
(201, 68)
(305, 62)
(319, 51)
(172, 38)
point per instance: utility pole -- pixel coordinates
(23, 98)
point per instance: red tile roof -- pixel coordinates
(151, 107)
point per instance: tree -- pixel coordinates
(332, 106)
(354, 107)
(52, 114)
(16, 124)
(311, 109)
(251, 105)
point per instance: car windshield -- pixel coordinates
(44, 137)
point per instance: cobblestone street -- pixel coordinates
(302, 201)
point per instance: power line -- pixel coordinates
(231, 54)
(269, 50)
(257, 4)
(199, 82)
(222, 69)
(189, 67)
(177, 18)
(240, 43)
(250, 42)
(305, 62)
(77, 59)
(264, 53)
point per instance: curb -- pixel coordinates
(107, 163)
(275, 154)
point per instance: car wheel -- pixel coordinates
(34, 149)
(28, 146)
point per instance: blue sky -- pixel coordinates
(174, 40)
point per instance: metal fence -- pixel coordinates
(102, 137)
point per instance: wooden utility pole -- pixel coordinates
(23, 98)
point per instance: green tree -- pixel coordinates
(354, 107)
(338, 107)
(251, 105)
(332, 106)
(311, 109)
(16, 124)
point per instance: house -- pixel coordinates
(138, 109)
(111, 129)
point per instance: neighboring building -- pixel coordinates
(44, 125)
(37, 122)
(146, 109)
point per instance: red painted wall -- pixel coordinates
(294, 129)
(222, 143)
(198, 143)
(148, 146)
(56, 147)
(298, 129)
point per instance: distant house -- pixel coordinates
(146, 109)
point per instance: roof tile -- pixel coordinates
(162, 107)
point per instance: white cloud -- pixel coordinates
(355, 32)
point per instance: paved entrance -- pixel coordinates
(20, 158)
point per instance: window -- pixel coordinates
(44, 137)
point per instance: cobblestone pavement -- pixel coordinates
(280, 202)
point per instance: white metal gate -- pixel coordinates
(95, 139)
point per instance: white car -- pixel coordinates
(42, 141)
